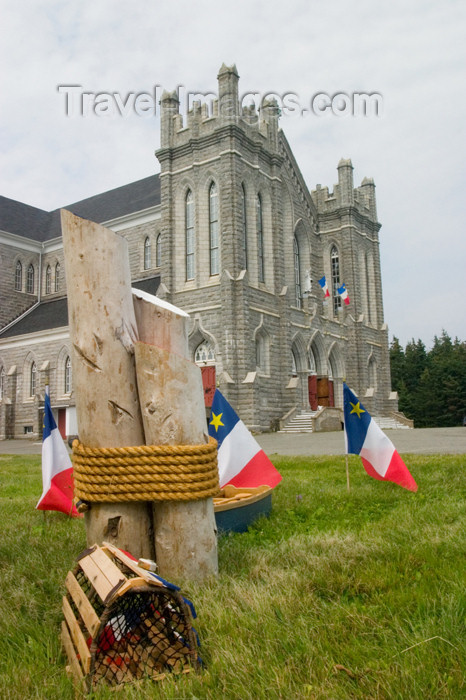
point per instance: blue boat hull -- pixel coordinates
(237, 517)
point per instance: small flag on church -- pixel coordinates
(241, 460)
(57, 470)
(363, 437)
(343, 292)
(324, 285)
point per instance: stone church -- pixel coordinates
(228, 231)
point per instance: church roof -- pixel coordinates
(39, 225)
(53, 313)
(43, 317)
(23, 220)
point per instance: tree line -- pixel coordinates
(431, 385)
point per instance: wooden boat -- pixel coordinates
(237, 508)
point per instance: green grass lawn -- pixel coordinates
(336, 595)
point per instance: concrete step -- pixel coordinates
(386, 423)
(300, 423)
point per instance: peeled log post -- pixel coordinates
(172, 404)
(103, 331)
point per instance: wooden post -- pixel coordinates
(103, 331)
(173, 412)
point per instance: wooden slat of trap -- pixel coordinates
(77, 636)
(101, 572)
(131, 564)
(70, 652)
(130, 584)
(87, 612)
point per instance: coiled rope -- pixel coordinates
(145, 472)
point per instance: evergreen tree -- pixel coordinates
(397, 364)
(431, 385)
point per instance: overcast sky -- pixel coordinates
(411, 52)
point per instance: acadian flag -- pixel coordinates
(324, 285)
(57, 470)
(241, 460)
(343, 292)
(363, 437)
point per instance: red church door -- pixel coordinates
(312, 384)
(321, 393)
(208, 383)
(331, 399)
(62, 422)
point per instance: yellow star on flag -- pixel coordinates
(356, 409)
(217, 421)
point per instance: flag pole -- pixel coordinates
(347, 472)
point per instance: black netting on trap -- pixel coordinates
(87, 587)
(145, 632)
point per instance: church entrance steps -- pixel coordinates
(388, 423)
(299, 423)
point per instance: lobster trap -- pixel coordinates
(123, 623)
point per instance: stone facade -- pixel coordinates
(239, 242)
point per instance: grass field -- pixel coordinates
(334, 596)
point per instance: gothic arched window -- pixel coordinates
(213, 230)
(335, 267)
(48, 280)
(57, 277)
(32, 379)
(18, 276)
(297, 274)
(190, 235)
(30, 279)
(147, 253)
(67, 375)
(260, 240)
(204, 353)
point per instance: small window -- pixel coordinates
(372, 372)
(32, 379)
(213, 230)
(48, 280)
(30, 279)
(2, 383)
(335, 265)
(67, 386)
(147, 254)
(190, 235)
(312, 361)
(204, 354)
(262, 353)
(294, 365)
(18, 276)
(57, 277)
(158, 250)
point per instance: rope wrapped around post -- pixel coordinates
(145, 472)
